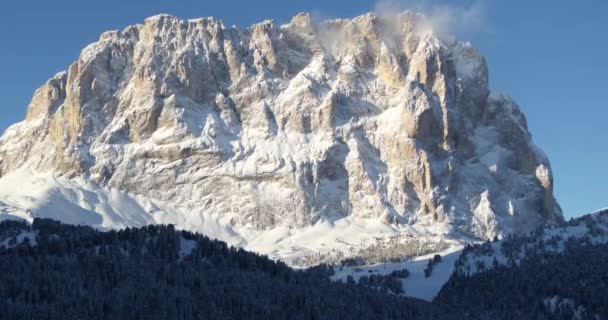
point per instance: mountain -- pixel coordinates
(55, 271)
(301, 141)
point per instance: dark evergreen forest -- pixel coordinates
(157, 272)
(76, 272)
(569, 283)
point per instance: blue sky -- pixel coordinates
(551, 56)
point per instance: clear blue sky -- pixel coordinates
(551, 56)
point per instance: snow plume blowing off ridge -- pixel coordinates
(442, 17)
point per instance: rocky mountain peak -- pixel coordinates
(291, 126)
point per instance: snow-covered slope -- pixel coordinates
(294, 140)
(417, 284)
(590, 229)
(26, 195)
(474, 258)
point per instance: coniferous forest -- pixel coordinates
(56, 271)
(573, 285)
(546, 276)
(155, 272)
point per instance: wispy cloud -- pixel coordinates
(446, 18)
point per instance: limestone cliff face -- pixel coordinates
(288, 125)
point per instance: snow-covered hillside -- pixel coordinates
(26, 195)
(479, 257)
(417, 284)
(591, 229)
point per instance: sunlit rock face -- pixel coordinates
(292, 125)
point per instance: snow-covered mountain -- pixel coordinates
(304, 138)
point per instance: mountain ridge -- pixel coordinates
(370, 125)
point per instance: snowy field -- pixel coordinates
(416, 285)
(26, 195)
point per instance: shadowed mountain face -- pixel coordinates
(373, 118)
